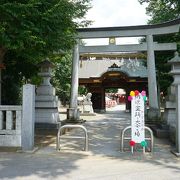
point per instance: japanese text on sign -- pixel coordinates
(137, 119)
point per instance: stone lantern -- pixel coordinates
(46, 99)
(45, 73)
(172, 108)
(175, 68)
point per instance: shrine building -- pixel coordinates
(98, 72)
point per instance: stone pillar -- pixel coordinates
(28, 117)
(0, 86)
(169, 115)
(73, 111)
(178, 119)
(47, 115)
(154, 112)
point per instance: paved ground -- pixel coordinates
(103, 161)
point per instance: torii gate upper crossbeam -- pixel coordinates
(130, 31)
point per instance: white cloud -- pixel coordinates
(106, 13)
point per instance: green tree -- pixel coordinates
(162, 11)
(82, 90)
(36, 28)
(18, 71)
(112, 90)
(31, 30)
(62, 77)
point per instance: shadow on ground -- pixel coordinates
(103, 161)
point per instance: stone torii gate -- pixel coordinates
(147, 31)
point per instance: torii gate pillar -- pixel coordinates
(154, 112)
(73, 114)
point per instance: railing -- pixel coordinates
(85, 137)
(10, 126)
(128, 138)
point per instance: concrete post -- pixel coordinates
(152, 84)
(178, 119)
(73, 112)
(0, 86)
(28, 117)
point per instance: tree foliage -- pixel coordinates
(31, 30)
(162, 11)
(62, 77)
(36, 28)
(18, 71)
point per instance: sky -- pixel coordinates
(105, 13)
(108, 13)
